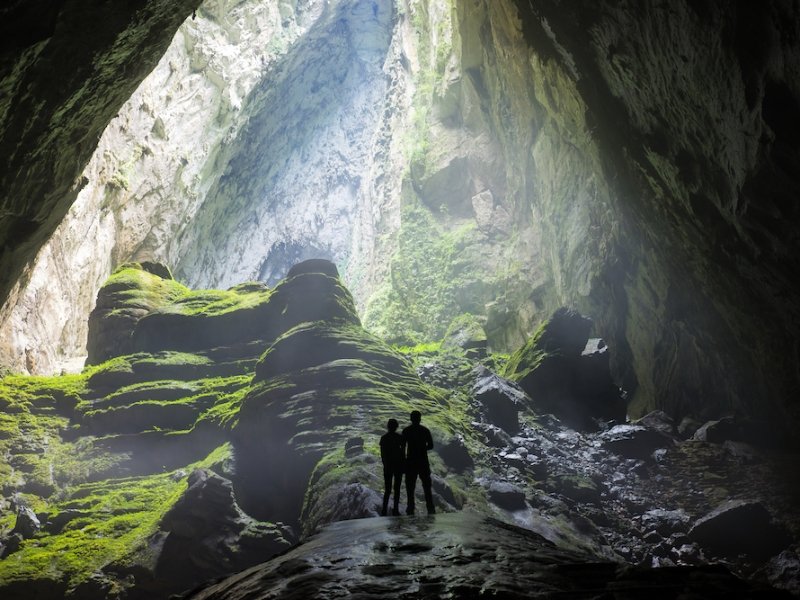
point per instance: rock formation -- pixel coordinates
(218, 427)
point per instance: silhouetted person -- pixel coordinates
(417, 441)
(393, 465)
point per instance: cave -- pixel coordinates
(239, 236)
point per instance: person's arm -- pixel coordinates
(429, 441)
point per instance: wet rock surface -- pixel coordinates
(459, 556)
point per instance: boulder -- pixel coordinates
(507, 495)
(783, 571)
(208, 535)
(353, 447)
(456, 455)
(466, 332)
(666, 522)
(567, 373)
(740, 527)
(659, 421)
(500, 400)
(717, 431)
(27, 523)
(634, 441)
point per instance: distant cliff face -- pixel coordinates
(494, 158)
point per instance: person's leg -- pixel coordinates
(398, 478)
(387, 489)
(411, 483)
(425, 478)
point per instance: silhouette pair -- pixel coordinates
(406, 452)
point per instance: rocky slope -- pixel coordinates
(219, 427)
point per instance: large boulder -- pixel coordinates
(500, 401)
(466, 333)
(208, 535)
(740, 527)
(567, 373)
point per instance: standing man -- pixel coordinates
(392, 458)
(417, 441)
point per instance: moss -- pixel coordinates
(433, 279)
(121, 515)
(525, 360)
(130, 286)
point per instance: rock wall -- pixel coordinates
(60, 88)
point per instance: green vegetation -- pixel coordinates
(433, 279)
(525, 360)
(112, 521)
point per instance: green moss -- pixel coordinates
(525, 360)
(432, 280)
(120, 515)
(210, 303)
(132, 287)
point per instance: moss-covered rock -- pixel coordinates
(130, 293)
(566, 376)
(466, 332)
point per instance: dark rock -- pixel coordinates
(659, 421)
(740, 527)
(10, 544)
(27, 523)
(783, 571)
(566, 373)
(455, 454)
(688, 554)
(209, 535)
(443, 489)
(687, 427)
(156, 268)
(666, 522)
(495, 437)
(343, 502)
(577, 488)
(506, 495)
(353, 447)
(634, 441)
(460, 555)
(717, 431)
(500, 400)
(314, 265)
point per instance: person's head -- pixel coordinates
(392, 425)
(416, 416)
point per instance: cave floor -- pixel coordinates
(461, 555)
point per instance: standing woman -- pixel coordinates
(393, 465)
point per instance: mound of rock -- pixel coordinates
(567, 373)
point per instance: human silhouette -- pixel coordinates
(417, 440)
(393, 465)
